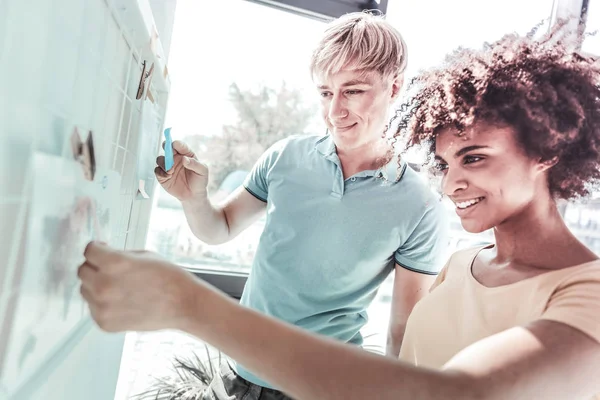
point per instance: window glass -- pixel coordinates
(240, 82)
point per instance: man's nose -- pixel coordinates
(337, 109)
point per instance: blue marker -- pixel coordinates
(168, 149)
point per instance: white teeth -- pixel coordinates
(468, 203)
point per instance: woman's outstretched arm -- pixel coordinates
(546, 360)
(141, 291)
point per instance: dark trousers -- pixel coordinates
(230, 386)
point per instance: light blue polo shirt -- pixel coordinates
(328, 243)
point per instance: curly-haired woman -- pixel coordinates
(511, 129)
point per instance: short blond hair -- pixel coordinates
(363, 41)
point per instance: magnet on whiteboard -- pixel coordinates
(142, 189)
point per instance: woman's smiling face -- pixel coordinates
(487, 175)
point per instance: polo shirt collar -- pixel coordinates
(391, 172)
(325, 145)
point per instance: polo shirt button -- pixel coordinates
(353, 179)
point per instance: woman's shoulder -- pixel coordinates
(459, 263)
(575, 298)
(588, 272)
(464, 258)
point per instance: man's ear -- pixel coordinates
(397, 84)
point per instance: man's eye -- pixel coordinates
(354, 91)
(325, 94)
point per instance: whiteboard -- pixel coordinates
(78, 138)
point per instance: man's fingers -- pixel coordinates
(194, 165)
(182, 148)
(164, 143)
(161, 175)
(160, 161)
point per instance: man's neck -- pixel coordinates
(367, 157)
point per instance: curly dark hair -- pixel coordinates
(544, 88)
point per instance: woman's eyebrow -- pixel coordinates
(467, 149)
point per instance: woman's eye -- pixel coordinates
(471, 159)
(440, 167)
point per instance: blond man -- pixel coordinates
(342, 211)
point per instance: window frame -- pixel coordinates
(324, 10)
(565, 9)
(229, 282)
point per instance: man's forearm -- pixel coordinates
(307, 366)
(207, 222)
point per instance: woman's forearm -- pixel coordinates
(310, 367)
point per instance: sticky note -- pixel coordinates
(168, 149)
